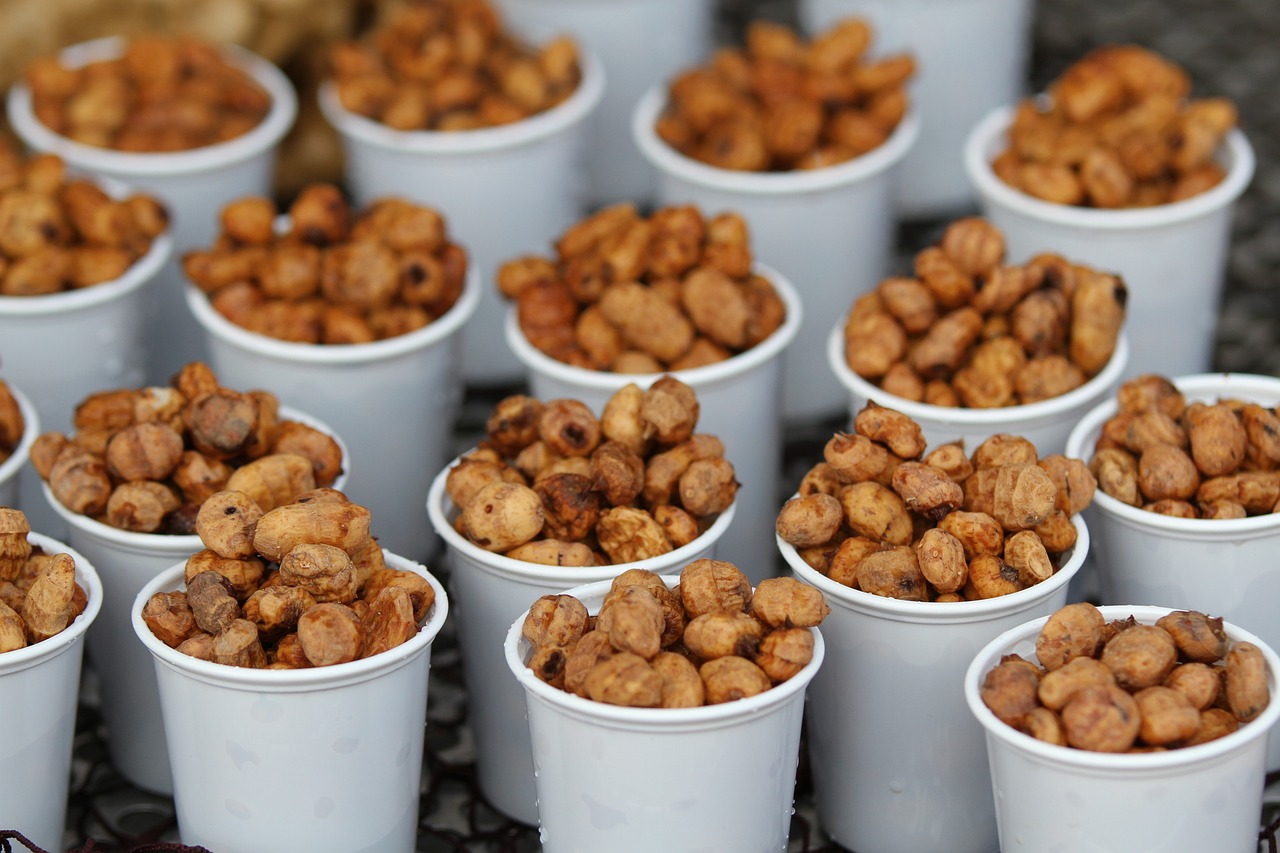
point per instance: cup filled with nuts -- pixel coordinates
(292, 656)
(129, 482)
(19, 426)
(49, 596)
(626, 297)
(442, 104)
(803, 139)
(924, 558)
(1117, 166)
(357, 313)
(1188, 491)
(969, 345)
(671, 704)
(1126, 727)
(192, 123)
(555, 497)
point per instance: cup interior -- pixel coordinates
(87, 577)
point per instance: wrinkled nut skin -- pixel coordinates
(681, 684)
(634, 622)
(1044, 725)
(212, 601)
(330, 634)
(146, 451)
(421, 592)
(1024, 496)
(809, 520)
(238, 645)
(627, 535)
(1101, 719)
(729, 679)
(560, 620)
(1026, 553)
(503, 516)
(617, 473)
(1070, 632)
(274, 480)
(343, 525)
(625, 679)
(1199, 637)
(1140, 656)
(722, 632)
(928, 491)
(553, 552)
(548, 664)
(569, 428)
(707, 585)
(169, 617)
(325, 571)
(977, 532)
(226, 522)
(896, 431)
(49, 605)
(1198, 682)
(1247, 692)
(669, 410)
(941, 559)
(570, 506)
(873, 511)
(788, 603)
(893, 573)
(783, 653)
(708, 486)
(275, 610)
(1009, 689)
(1167, 716)
(514, 424)
(1058, 685)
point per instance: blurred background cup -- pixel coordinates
(638, 780)
(393, 401)
(488, 591)
(1045, 423)
(39, 691)
(829, 231)
(971, 57)
(295, 761)
(194, 185)
(1223, 567)
(640, 42)
(11, 469)
(1051, 797)
(739, 402)
(505, 191)
(126, 680)
(1172, 257)
(899, 765)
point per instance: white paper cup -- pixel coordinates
(1225, 567)
(11, 469)
(1045, 423)
(127, 561)
(899, 765)
(971, 57)
(505, 191)
(394, 402)
(638, 780)
(1048, 797)
(295, 761)
(829, 231)
(738, 401)
(194, 185)
(640, 42)
(1172, 257)
(39, 688)
(489, 590)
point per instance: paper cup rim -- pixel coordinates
(437, 330)
(1003, 419)
(604, 380)
(30, 429)
(180, 545)
(796, 182)
(508, 567)
(86, 576)
(292, 680)
(617, 716)
(941, 612)
(1103, 762)
(1089, 426)
(564, 115)
(978, 150)
(268, 132)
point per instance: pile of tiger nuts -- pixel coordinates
(1117, 130)
(969, 331)
(59, 232)
(1189, 460)
(298, 585)
(39, 596)
(12, 424)
(335, 275)
(449, 65)
(782, 103)
(630, 294)
(1124, 686)
(711, 639)
(554, 484)
(145, 459)
(163, 93)
(882, 516)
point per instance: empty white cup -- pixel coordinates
(899, 765)
(11, 469)
(127, 561)
(1045, 423)
(640, 42)
(830, 231)
(1049, 797)
(294, 761)
(505, 191)
(489, 590)
(39, 689)
(639, 780)
(1224, 567)
(1172, 257)
(971, 57)
(738, 400)
(194, 185)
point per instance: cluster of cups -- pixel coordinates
(332, 759)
